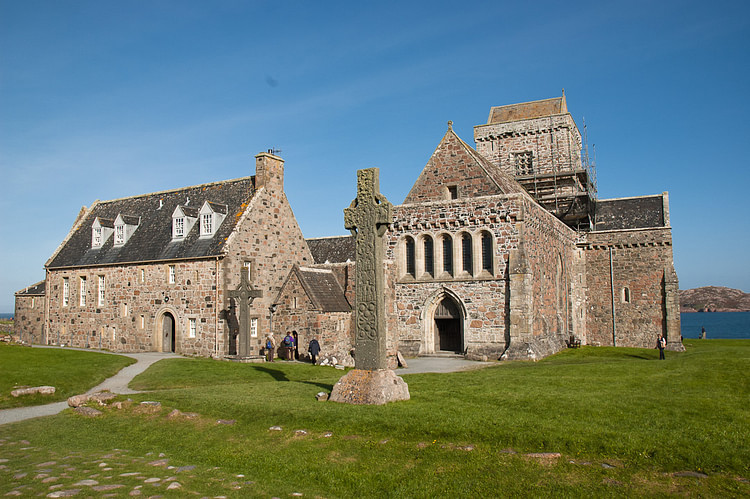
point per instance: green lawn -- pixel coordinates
(71, 372)
(625, 423)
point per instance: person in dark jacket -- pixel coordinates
(314, 350)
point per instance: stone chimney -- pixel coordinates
(269, 171)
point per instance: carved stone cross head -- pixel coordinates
(370, 210)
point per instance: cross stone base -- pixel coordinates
(675, 346)
(362, 387)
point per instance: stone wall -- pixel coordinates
(480, 294)
(296, 312)
(639, 259)
(136, 298)
(554, 141)
(542, 316)
(451, 165)
(269, 240)
(29, 318)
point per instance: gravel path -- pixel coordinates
(116, 384)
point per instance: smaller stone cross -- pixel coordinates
(245, 294)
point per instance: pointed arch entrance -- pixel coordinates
(443, 320)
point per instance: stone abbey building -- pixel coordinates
(501, 251)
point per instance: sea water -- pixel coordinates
(719, 325)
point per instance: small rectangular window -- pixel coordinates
(254, 327)
(453, 191)
(193, 327)
(33, 302)
(66, 292)
(100, 300)
(143, 321)
(82, 290)
(97, 237)
(172, 274)
(524, 163)
(143, 275)
(124, 310)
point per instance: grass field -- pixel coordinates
(624, 423)
(71, 372)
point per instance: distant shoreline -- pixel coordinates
(718, 311)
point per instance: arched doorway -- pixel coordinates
(448, 326)
(168, 332)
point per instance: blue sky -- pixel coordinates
(106, 99)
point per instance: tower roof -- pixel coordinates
(527, 110)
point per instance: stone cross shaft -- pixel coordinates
(368, 218)
(244, 294)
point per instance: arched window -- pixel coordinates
(410, 257)
(487, 252)
(429, 256)
(626, 294)
(447, 254)
(466, 254)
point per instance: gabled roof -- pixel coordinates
(152, 239)
(456, 163)
(527, 110)
(33, 290)
(322, 288)
(337, 249)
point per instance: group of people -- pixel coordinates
(289, 349)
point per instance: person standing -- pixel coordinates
(288, 343)
(661, 344)
(703, 333)
(314, 349)
(270, 347)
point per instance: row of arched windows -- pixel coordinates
(446, 256)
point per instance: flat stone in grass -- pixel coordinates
(160, 462)
(693, 474)
(41, 390)
(87, 411)
(106, 488)
(88, 483)
(64, 493)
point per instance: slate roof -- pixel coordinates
(629, 213)
(527, 110)
(323, 289)
(337, 249)
(33, 290)
(152, 239)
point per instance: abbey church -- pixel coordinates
(499, 251)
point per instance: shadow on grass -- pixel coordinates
(275, 373)
(324, 386)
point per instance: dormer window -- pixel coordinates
(179, 227)
(119, 234)
(183, 219)
(206, 224)
(125, 225)
(211, 216)
(101, 229)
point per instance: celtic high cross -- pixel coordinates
(245, 294)
(368, 218)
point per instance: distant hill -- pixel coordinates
(714, 299)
